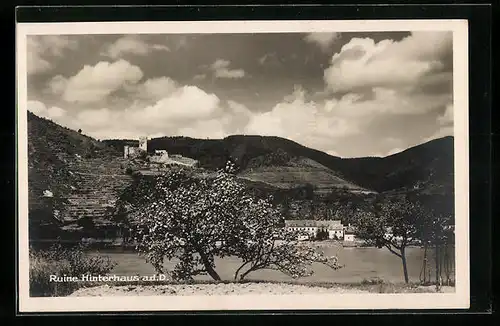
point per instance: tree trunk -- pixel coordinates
(212, 273)
(405, 268)
(449, 264)
(236, 274)
(423, 272)
(437, 266)
(251, 269)
(208, 267)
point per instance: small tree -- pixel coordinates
(392, 223)
(195, 216)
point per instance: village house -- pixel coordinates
(349, 234)
(334, 228)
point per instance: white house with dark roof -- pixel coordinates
(334, 228)
(349, 233)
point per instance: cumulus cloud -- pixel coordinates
(363, 63)
(94, 83)
(323, 40)
(411, 76)
(199, 77)
(445, 124)
(157, 88)
(185, 104)
(54, 113)
(57, 85)
(308, 122)
(131, 44)
(332, 153)
(183, 110)
(268, 58)
(386, 101)
(447, 117)
(41, 48)
(394, 151)
(367, 85)
(181, 41)
(236, 117)
(221, 69)
(368, 80)
(440, 133)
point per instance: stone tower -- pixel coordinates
(143, 143)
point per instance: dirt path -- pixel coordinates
(209, 289)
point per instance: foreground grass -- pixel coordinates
(365, 286)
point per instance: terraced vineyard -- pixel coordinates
(292, 177)
(82, 175)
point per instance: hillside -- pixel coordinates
(86, 176)
(427, 167)
(82, 174)
(294, 172)
(50, 148)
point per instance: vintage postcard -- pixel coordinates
(242, 165)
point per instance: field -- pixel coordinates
(290, 177)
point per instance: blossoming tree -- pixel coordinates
(195, 216)
(393, 223)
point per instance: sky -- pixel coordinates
(347, 94)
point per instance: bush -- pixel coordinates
(372, 281)
(321, 235)
(143, 155)
(60, 262)
(136, 174)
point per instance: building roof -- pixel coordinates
(350, 230)
(336, 224)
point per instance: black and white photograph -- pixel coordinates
(243, 165)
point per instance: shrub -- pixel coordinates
(136, 174)
(321, 235)
(372, 281)
(143, 155)
(60, 261)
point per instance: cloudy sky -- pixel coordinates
(348, 94)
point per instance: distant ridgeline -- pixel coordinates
(74, 180)
(426, 167)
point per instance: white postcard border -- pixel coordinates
(459, 299)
